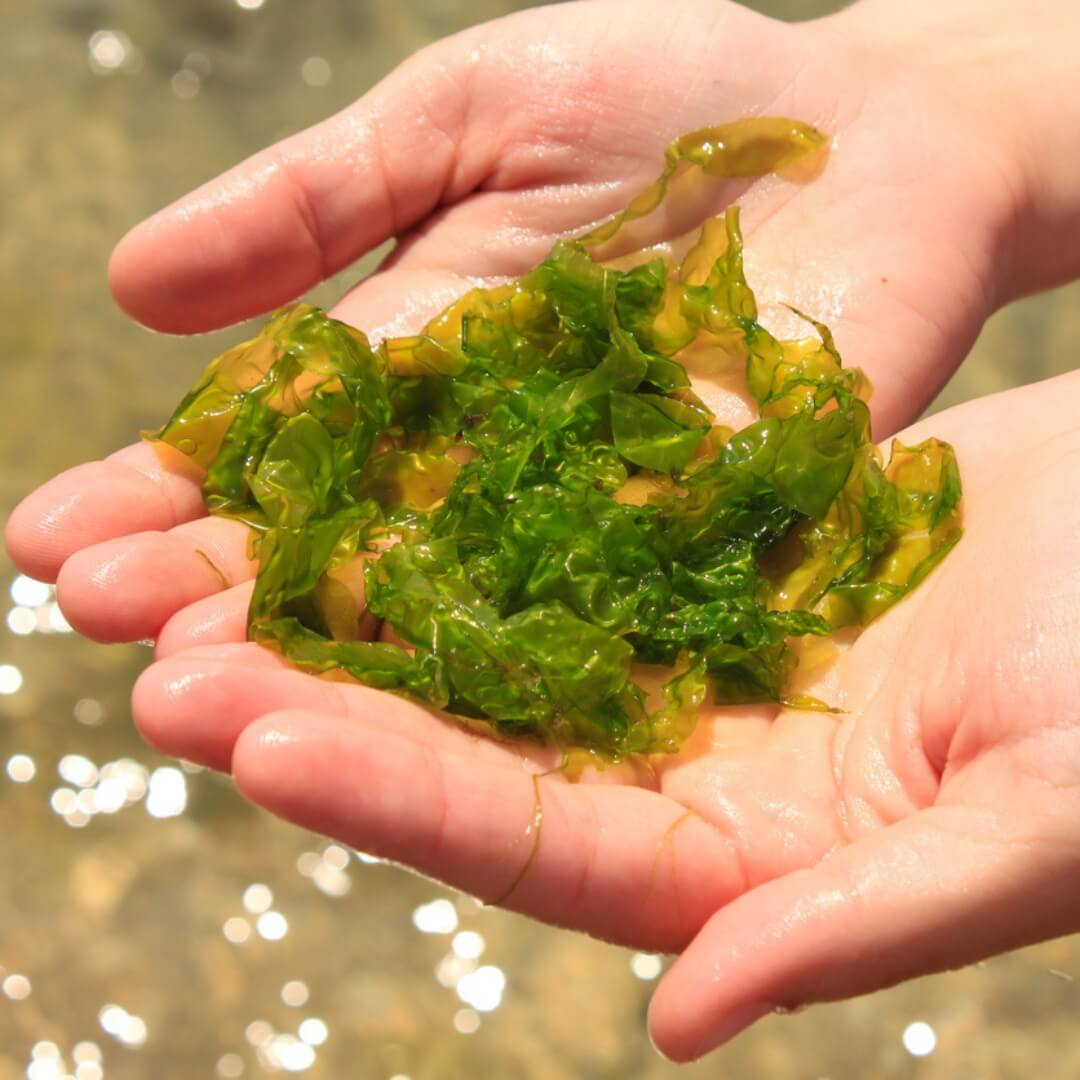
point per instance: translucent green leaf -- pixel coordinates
(535, 502)
(647, 433)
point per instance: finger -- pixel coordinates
(142, 487)
(195, 704)
(620, 862)
(940, 889)
(218, 619)
(127, 589)
(242, 654)
(294, 214)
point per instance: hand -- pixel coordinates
(479, 152)
(796, 857)
(482, 149)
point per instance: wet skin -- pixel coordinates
(789, 857)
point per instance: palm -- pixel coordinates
(478, 154)
(948, 786)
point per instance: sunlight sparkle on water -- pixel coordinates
(919, 1039)
(307, 862)
(77, 770)
(121, 782)
(237, 930)
(166, 794)
(452, 969)
(89, 712)
(467, 944)
(331, 879)
(109, 796)
(21, 621)
(328, 870)
(257, 898)
(295, 993)
(185, 84)
(287, 1052)
(466, 1021)
(109, 50)
(64, 801)
(645, 966)
(11, 679)
(126, 1027)
(36, 609)
(17, 987)
(230, 1066)
(313, 1031)
(436, 917)
(336, 857)
(45, 1069)
(258, 1032)
(27, 592)
(315, 71)
(482, 988)
(21, 768)
(272, 925)
(86, 1053)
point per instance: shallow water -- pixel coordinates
(151, 923)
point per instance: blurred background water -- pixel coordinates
(152, 924)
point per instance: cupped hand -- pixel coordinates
(792, 857)
(477, 154)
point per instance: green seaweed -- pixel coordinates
(530, 496)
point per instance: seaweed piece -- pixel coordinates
(531, 497)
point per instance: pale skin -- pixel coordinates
(787, 858)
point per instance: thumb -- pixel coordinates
(945, 887)
(297, 212)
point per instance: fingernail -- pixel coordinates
(738, 1019)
